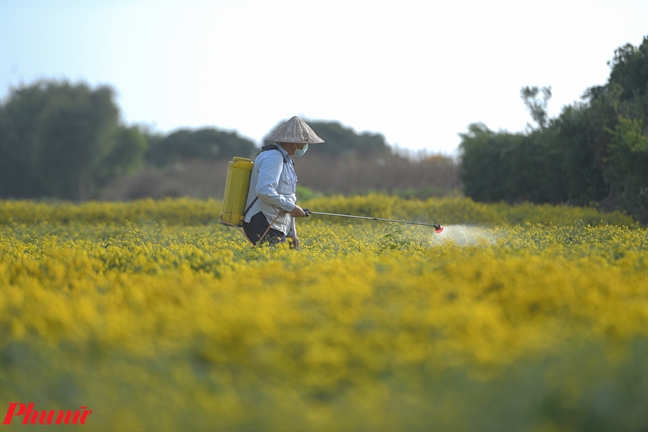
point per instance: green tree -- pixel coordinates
(125, 157)
(626, 167)
(596, 151)
(59, 140)
(537, 107)
(17, 129)
(619, 118)
(72, 138)
(578, 132)
(513, 167)
(630, 71)
(205, 144)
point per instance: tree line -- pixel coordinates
(594, 153)
(67, 141)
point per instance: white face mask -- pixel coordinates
(300, 152)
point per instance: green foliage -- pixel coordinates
(578, 136)
(510, 166)
(125, 157)
(17, 130)
(630, 70)
(304, 193)
(626, 165)
(205, 144)
(596, 151)
(624, 156)
(63, 140)
(537, 108)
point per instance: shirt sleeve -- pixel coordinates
(269, 176)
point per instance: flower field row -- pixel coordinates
(188, 211)
(158, 318)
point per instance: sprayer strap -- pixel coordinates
(274, 147)
(250, 206)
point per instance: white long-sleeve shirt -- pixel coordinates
(274, 182)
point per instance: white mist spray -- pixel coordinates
(465, 235)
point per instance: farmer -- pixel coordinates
(271, 207)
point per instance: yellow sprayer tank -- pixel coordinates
(239, 171)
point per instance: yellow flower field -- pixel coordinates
(156, 317)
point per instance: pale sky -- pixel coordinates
(418, 72)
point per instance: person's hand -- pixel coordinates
(295, 241)
(297, 212)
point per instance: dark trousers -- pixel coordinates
(257, 226)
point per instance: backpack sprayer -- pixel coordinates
(239, 171)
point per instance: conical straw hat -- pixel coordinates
(294, 130)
